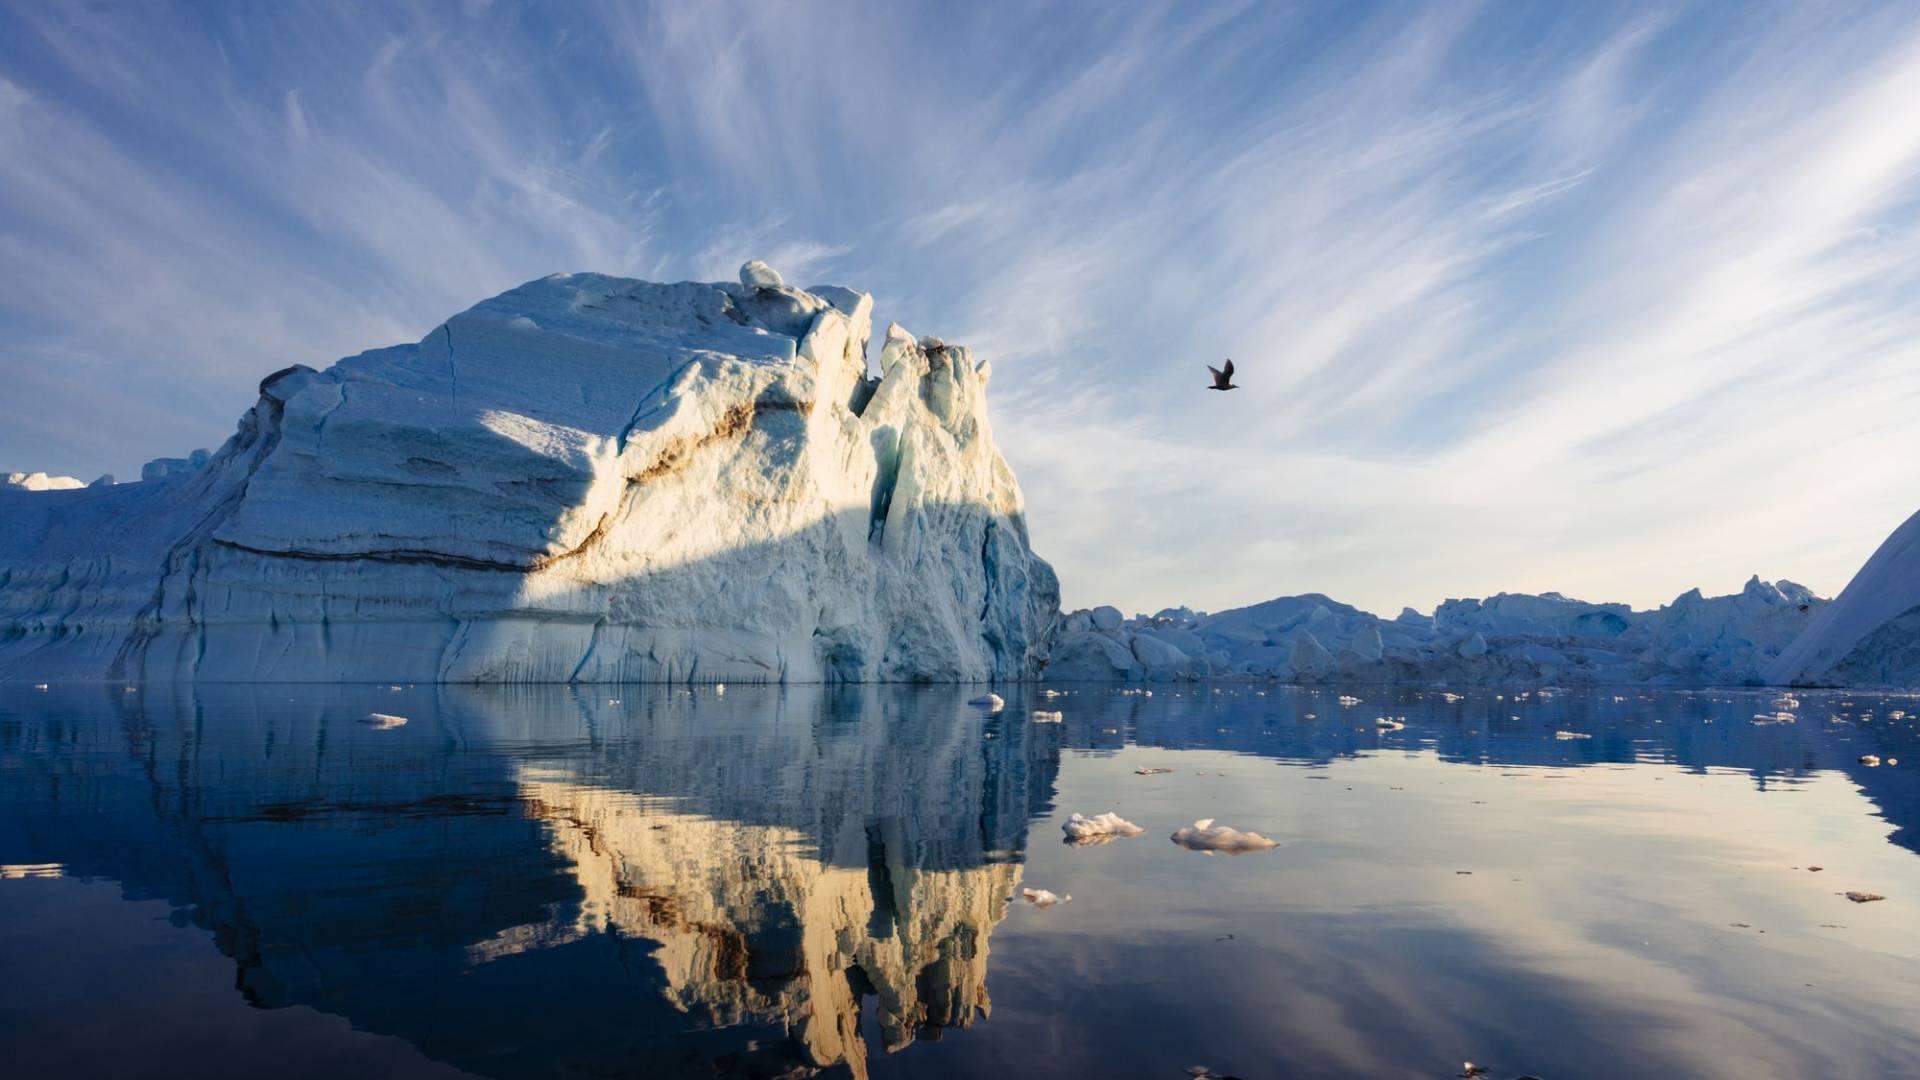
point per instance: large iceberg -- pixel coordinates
(1870, 634)
(585, 479)
(1507, 639)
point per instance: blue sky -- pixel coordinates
(1610, 300)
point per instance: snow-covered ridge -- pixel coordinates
(586, 478)
(1508, 639)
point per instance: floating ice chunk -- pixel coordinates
(1043, 898)
(1863, 897)
(384, 721)
(39, 686)
(1150, 770)
(1098, 829)
(1349, 700)
(755, 274)
(720, 689)
(1565, 735)
(989, 702)
(1388, 723)
(1051, 694)
(1041, 716)
(1206, 837)
(1870, 760)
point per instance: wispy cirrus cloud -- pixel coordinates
(1610, 300)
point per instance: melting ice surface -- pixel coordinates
(554, 882)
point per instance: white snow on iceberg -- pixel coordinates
(583, 479)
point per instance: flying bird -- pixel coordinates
(1222, 380)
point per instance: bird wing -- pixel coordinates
(1218, 378)
(1229, 369)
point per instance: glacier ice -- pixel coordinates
(1506, 639)
(1207, 837)
(587, 479)
(1098, 829)
(1870, 634)
(39, 481)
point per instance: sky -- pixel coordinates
(1524, 296)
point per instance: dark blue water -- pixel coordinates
(765, 883)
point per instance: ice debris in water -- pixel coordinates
(1563, 736)
(39, 686)
(989, 702)
(1204, 836)
(1099, 828)
(1388, 723)
(1150, 770)
(1050, 694)
(1043, 898)
(384, 721)
(1349, 700)
(1041, 716)
(1870, 760)
(1863, 897)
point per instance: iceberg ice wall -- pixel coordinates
(583, 479)
(1870, 634)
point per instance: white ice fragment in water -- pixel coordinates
(1206, 837)
(1565, 735)
(989, 702)
(383, 721)
(39, 686)
(1387, 723)
(1050, 694)
(1099, 828)
(1349, 700)
(1870, 760)
(1041, 716)
(1150, 770)
(1042, 898)
(720, 689)
(1863, 897)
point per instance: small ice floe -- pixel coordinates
(1150, 770)
(1773, 718)
(1786, 701)
(1043, 898)
(613, 701)
(989, 702)
(1468, 1068)
(396, 689)
(1388, 723)
(1565, 735)
(720, 689)
(1206, 837)
(1349, 700)
(1098, 829)
(1051, 694)
(1041, 716)
(130, 690)
(1870, 760)
(1863, 897)
(1450, 698)
(39, 686)
(383, 721)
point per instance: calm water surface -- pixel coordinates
(767, 883)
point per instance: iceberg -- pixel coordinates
(1870, 634)
(1098, 829)
(1207, 838)
(1509, 639)
(584, 479)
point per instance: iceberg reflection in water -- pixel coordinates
(552, 882)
